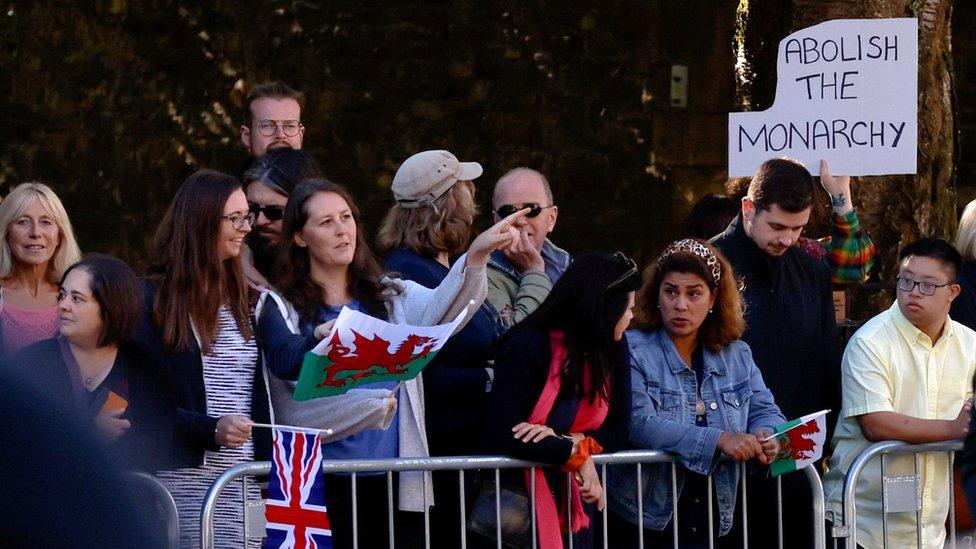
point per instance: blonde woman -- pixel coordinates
(37, 245)
(964, 307)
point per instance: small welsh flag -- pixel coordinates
(801, 442)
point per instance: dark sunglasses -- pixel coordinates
(273, 213)
(626, 262)
(508, 209)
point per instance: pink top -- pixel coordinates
(21, 327)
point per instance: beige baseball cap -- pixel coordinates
(425, 176)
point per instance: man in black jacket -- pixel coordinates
(790, 323)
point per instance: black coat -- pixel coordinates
(194, 429)
(963, 308)
(790, 323)
(145, 445)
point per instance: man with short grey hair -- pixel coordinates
(520, 279)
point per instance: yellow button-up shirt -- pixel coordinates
(892, 366)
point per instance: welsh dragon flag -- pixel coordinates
(362, 349)
(801, 442)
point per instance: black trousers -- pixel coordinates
(372, 519)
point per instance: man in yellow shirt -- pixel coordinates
(906, 376)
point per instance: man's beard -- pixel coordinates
(265, 254)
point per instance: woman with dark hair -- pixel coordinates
(93, 367)
(268, 183)
(562, 389)
(197, 322)
(711, 215)
(696, 393)
(325, 265)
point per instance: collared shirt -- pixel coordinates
(892, 366)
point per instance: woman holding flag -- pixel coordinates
(325, 265)
(696, 393)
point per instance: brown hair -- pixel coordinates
(191, 281)
(273, 89)
(294, 265)
(720, 328)
(116, 290)
(444, 227)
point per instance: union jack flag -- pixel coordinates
(295, 508)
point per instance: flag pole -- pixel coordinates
(320, 432)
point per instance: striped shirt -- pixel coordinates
(228, 373)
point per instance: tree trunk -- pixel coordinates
(894, 209)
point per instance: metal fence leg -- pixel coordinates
(606, 507)
(498, 508)
(674, 504)
(884, 511)
(779, 511)
(640, 510)
(464, 533)
(745, 506)
(569, 509)
(535, 536)
(427, 476)
(244, 510)
(355, 513)
(389, 506)
(952, 504)
(711, 517)
(918, 506)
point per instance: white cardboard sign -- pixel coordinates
(846, 91)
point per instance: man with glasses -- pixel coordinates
(272, 119)
(790, 325)
(906, 376)
(520, 279)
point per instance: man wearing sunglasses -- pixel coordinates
(520, 279)
(272, 119)
(907, 375)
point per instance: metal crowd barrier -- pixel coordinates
(462, 464)
(846, 526)
(165, 505)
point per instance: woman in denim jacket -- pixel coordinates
(696, 393)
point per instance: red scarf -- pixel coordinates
(589, 416)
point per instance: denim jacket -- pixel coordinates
(663, 418)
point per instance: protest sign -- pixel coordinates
(847, 92)
(361, 349)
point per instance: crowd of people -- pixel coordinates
(728, 333)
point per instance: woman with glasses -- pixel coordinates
(326, 265)
(696, 393)
(37, 244)
(562, 392)
(268, 183)
(198, 324)
(92, 367)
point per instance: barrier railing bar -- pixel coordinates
(708, 502)
(745, 506)
(389, 507)
(535, 541)
(244, 506)
(464, 522)
(884, 510)
(640, 508)
(498, 507)
(355, 513)
(819, 506)
(606, 508)
(674, 505)
(952, 504)
(848, 526)
(569, 510)
(167, 505)
(918, 503)
(779, 512)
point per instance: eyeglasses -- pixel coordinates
(534, 209)
(268, 128)
(927, 288)
(238, 220)
(631, 268)
(272, 213)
